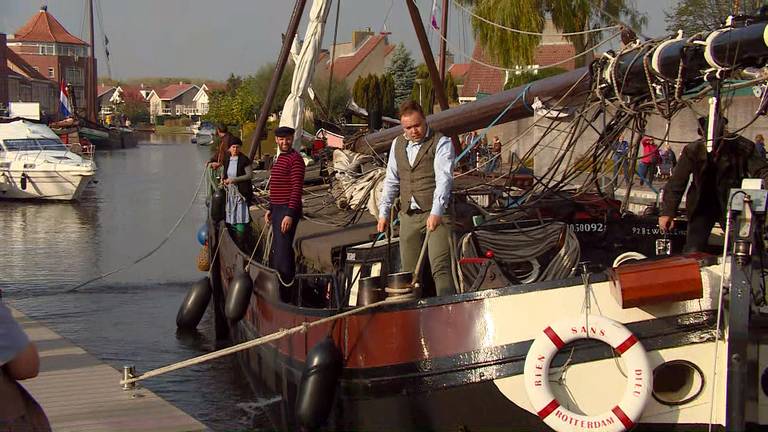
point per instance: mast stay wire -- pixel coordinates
(530, 33)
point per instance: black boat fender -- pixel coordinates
(239, 296)
(193, 307)
(319, 381)
(218, 203)
(23, 181)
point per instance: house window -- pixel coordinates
(36, 68)
(51, 72)
(46, 49)
(74, 76)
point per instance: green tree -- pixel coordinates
(510, 49)
(241, 104)
(693, 16)
(451, 90)
(367, 93)
(388, 95)
(526, 77)
(340, 97)
(402, 67)
(422, 90)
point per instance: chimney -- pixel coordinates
(358, 36)
(3, 73)
(181, 82)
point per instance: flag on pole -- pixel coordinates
(65, 108)
(434, 15)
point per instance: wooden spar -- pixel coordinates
(479, 114)
(282, 59)
(444, 33)
(429, 60)
(90, 91)
(722, 50)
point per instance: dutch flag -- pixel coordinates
(65, 109)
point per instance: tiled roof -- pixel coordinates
(216, 86)
(554, 53)
(131, 92)
(102, 89)
(480, 78)
(459, 70)
(346, 65)
(17, 61)
(174, 90)
(43, 27)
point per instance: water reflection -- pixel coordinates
(130, 316)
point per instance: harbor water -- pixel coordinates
(129, 317)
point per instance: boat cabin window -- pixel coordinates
(51, 144)
(29, 144)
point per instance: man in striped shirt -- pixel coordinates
(285, 188)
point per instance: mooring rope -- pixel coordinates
(155, 249)
(302, 328)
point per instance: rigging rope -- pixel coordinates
(525, 32)
(153, 250)
(301, 328)
(478, 61)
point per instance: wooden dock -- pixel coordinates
(80, 393)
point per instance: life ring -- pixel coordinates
(640, 380)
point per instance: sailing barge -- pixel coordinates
(683, 346)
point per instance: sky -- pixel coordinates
(211, 39)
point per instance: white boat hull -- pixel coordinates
(48, 185)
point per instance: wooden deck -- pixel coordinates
(80, 393)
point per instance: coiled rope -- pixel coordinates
(153, 250)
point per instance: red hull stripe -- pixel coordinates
(628, 424)
(554, 337)
(627, 344)
(549, 409)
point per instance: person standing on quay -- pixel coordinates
(420, 168)
(647, 168)
(285, 190)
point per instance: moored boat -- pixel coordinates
(35, 164)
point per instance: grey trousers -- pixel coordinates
(413, 229)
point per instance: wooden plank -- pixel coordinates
(80, 393)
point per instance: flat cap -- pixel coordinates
(284, 131)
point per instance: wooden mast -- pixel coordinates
(443, 39)
(429, 60)
(90, 86)
(293, 25)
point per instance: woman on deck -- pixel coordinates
(237, 180)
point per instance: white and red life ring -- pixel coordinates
(621, 417)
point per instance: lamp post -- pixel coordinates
(420, 82)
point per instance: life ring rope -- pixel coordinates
(623, 415)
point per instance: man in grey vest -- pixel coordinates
(420, 168)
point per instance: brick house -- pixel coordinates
(480, 79)
(52, 51)
(367, 53)
(21, 82)
(173, 100)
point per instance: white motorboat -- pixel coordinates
(35, 164)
